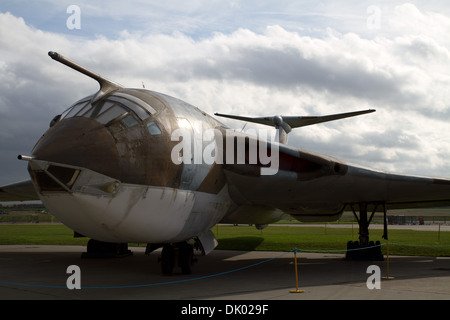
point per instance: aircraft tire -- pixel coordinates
(185, 258)
(167, 259)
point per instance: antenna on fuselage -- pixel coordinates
(106, 86)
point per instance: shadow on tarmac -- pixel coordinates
(34, 272)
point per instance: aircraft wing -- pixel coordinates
(310, 186)
(21, 191)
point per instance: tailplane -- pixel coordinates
(285, 124)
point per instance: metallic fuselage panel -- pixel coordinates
(153, 199)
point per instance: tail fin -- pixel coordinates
(284, 125)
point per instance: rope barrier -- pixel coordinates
(338, 250)
(420, 245)
(369, 247)
(230, 271)
(154, 284)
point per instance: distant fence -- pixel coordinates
(413, 220)
(27, 218)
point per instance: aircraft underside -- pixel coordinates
(114, 214)
(105, 209)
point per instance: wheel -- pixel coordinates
(100, 247)
(167, 259)
(185, 258)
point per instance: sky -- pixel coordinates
(246, 57)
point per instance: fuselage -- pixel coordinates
(109, 171)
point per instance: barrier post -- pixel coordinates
(439, 234)
(387, 263)
(296, 275)
(352, 231)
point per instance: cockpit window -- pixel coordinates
(111, 114)
(153, 128)
(139, 111)
(84, 109)
(107, 110)
(99, 108)
(75, 109)
(118, 107)
(130, 121)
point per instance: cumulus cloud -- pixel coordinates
(400, 71)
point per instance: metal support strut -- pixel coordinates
(365, 249)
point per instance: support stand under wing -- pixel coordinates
(364, 249)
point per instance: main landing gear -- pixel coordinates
(182, 252)
(364, 249)
(100, 249)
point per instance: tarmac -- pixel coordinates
(41, 273)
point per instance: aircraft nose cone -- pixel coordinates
(81, 142)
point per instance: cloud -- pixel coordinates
(400, 71)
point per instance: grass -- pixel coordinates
(26, 216)
(273, 238)
(36, 234)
